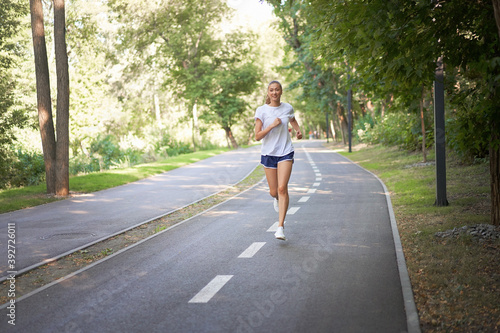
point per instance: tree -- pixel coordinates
(62, 120)
(226, 105)
(393, 50)
(176, 36)
(383, 48)
(56, 155)
(10, 116)
(322, 86)
(44, 102)
(183, 40)
(471, 45)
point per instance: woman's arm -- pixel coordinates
(296, 127)
(260, 133)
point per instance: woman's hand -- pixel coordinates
(276, 123)
(261, 133)
(299, 135)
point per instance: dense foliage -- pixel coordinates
(148, 81)
(386, 51)
(12, 114)
(148, 77)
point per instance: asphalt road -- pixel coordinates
(56, 229)
(223, 271)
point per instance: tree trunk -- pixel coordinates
(362, 106)
(386, 105)
(156, 100)
(44, 103)
(338, 129)
(229, 135)
(332, 129)
(496, 11)
(344, 126)
(195, 129)
(62, 120)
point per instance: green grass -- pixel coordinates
(413, 187)
(18, 198)
(455, 280)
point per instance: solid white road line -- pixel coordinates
(252, 250)
(211, 289)
(304, 199)
(293, 210)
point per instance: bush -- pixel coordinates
(467, 133)
(106, 150)
(178, 148)
(363, 129)
(167, 146)
(104, 153)
(83, 164)
(398, 129)
(7, 160)
(18, 168)
(29, 169)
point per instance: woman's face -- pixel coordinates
(274, 92)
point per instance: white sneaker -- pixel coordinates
(280, 234)
(276, 205)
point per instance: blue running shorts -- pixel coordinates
(271, 162)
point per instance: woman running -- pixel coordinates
(271, 126)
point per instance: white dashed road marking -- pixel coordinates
(211, 289)
(274, 227)
(252, 250)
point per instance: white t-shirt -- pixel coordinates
(277, 142)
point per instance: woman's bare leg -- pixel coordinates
(272, 181)
(283, 174)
